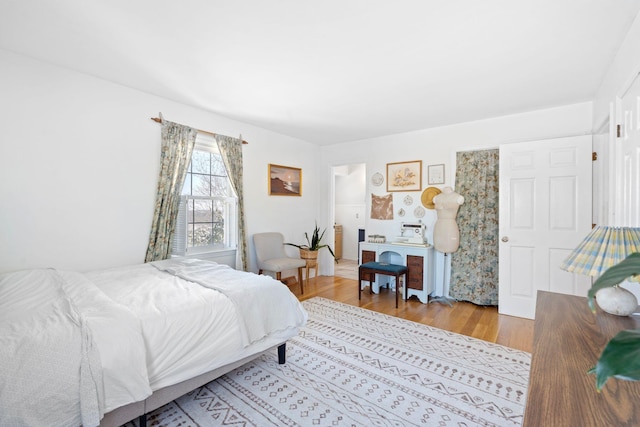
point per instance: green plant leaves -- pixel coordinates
(315, 243)
(630, 266)
(620, 358)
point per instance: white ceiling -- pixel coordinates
(330, 71)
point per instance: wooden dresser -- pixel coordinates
(567, 342)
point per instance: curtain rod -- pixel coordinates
(159, 120)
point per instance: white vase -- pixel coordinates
(616, 300)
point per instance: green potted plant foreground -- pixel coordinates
(621, 356)
(310, 250)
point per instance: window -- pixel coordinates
(207, 216)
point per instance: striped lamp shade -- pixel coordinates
(603, 247)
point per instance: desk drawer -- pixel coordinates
(368, 256)
(415, 271)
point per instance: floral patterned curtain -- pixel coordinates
(231, 151)
(474, 266)
(177, 146)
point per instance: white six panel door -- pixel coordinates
(630, 134)
(545, 212)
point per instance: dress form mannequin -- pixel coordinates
(446, 236)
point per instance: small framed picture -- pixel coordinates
(285, 181)
(404, 176)
(436, 174)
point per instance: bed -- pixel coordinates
(105, 347)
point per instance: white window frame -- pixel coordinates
(179, 245)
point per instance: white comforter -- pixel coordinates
(189, 328)
(74, 346)
(58, 353)
(254, 297)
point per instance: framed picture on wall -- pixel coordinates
(404, 176)
(285, 181)
(435, 174)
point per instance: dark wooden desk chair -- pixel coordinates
(367, 271)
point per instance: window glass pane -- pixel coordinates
(201, 185)
(189, 211)
(217, 165)
(189, 235)
(201, 235)
(186, 188)
(219, 186)
(200, 162)
(203, 211)
(207, 218)
(218, 233)
(219, 211)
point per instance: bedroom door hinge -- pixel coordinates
(618, 131)
(594, 156)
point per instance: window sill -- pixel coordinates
(211, 251)
(221, 256)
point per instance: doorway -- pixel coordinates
(349, 205)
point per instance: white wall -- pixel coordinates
(439, 145)
(623, 69)
(79, 162)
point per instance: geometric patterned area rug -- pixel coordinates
(355, 367)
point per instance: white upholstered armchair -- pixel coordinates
(272, 257)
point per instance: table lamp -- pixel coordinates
(606, 246)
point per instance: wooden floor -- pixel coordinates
(464, 318)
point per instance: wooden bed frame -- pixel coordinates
(161, 397)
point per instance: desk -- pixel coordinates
(567, 342)
(418, 259)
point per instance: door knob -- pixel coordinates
(505, 239)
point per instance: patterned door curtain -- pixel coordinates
(474, 266)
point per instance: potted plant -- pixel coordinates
(621, 356)
(310, 250)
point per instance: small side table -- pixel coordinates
(311, 263)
